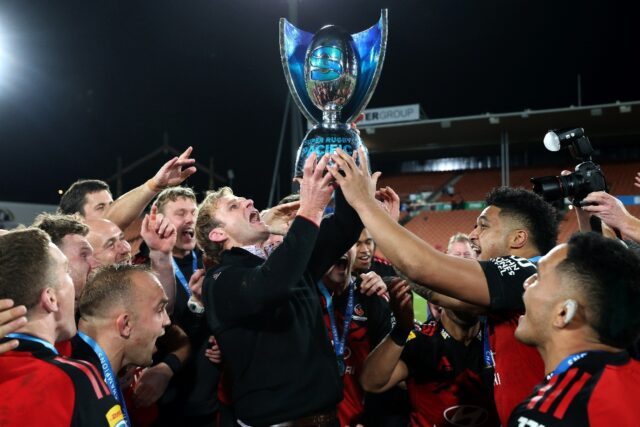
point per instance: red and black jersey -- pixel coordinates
(370, 323)
(40, 388)
(600, 390)
(517, 367)
(444, 383)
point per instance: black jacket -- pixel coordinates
(268, 321)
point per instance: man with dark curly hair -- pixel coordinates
(514, 229)
(582, 311)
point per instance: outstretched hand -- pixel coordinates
(608, 208)
(390, 202)
(358, 186)
(158, 232)
(401, 303)
(11, 319)
(279, 217)
(315, 188)
(175, 171)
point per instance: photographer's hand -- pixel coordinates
(612, 212)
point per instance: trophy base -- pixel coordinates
(322, 140)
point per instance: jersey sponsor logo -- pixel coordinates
(115, 418)
(216, 275)
(466, 415)
(508, 266)
(526, 422)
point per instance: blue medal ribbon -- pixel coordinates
(34, 339)
(566, 363)
(338, 341)
(107, 373)
(489, 362)
(181, 278)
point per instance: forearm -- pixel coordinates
(449, 302)
(456, 277)
(337, 234)
(631, 228)
(162, 267)
(130, 205)
(271, 282)
(381, 364)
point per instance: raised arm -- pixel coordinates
(239, 292)
(130, 205)
(383, 368)
(456, 277)
(160, 236)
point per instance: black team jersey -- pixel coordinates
(444, 382)
(600, 389)
(40, 388)
(370, 323)
(517, 368)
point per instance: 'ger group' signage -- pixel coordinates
(401, 113)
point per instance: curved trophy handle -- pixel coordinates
(371, 46)
(294, 43)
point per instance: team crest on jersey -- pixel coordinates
(347, 353)
(466, 415)
(115, 418)
(358, 313)
(411, 336)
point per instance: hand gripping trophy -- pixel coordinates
(331, 75)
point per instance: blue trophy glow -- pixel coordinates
(331, 75)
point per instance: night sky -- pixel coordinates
(83, 82)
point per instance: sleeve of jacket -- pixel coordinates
(239, 292)
(338, 233)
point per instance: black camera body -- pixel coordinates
(587, 178)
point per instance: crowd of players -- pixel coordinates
(226, 316)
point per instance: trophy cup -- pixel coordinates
(331, 75)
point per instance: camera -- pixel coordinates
(586, 178)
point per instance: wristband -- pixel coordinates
(172, 361)
(399, 335)
(151, 185)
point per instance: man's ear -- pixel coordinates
(518, 238)
(123, 323)
(49, 300)
(217, 235)
(566, 313)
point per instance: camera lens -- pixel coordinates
(549, 187)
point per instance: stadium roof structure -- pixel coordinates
(604, 122)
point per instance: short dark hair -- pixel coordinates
(172, 194)
(532, 211)
(58, 225)
(73, 200)
(608, 275)
(107, 287)
(25, 265)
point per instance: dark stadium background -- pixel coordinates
(83, 82)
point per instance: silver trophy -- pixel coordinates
(331, 75)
